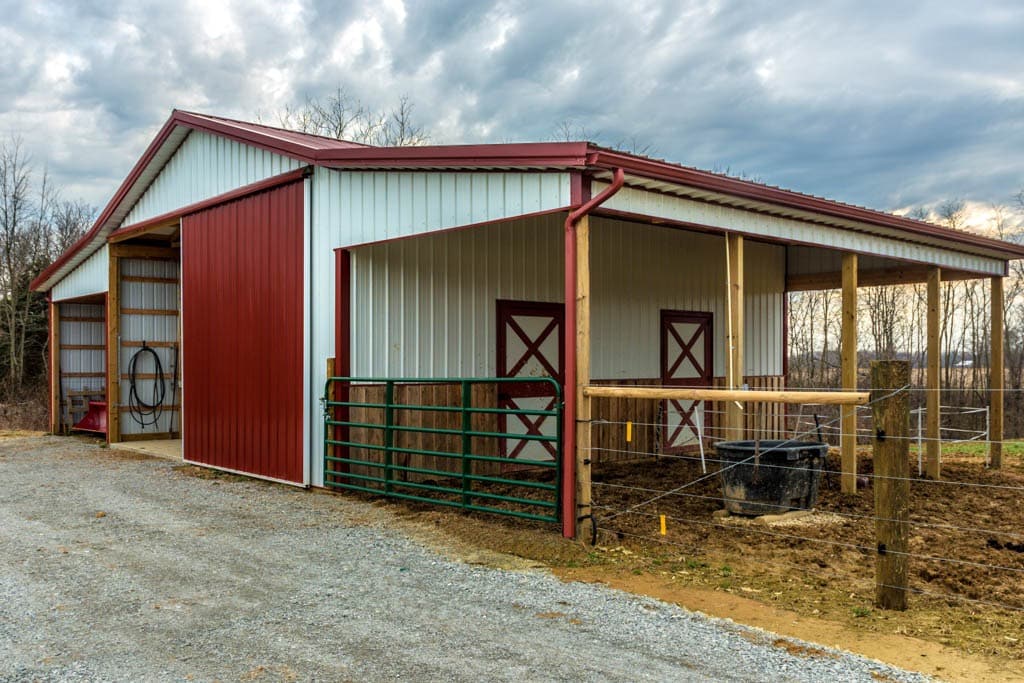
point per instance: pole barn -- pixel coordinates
(432, 323)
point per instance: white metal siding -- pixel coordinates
(149, 328)
(426, 307)
(205, 166)
(355, 207)
(639, 270)
(82, 361)
(90, 277)
(358, 207)
(640, 201)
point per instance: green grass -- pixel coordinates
(979, 449)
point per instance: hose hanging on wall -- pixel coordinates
(146, 413)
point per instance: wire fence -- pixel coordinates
(965, 545)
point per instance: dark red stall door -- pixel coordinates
(531, 343)
(686, 361)
(242, 334)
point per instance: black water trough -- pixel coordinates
(770, 477)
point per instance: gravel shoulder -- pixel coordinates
(121, 568)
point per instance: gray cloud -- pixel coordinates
(877, 103)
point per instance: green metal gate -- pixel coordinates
(441, 441)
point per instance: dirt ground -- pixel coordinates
(816, 573)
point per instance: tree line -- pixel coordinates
(37, 224)
(892, 324)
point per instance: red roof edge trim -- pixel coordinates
(743, 188)
(112, 205)
(224, 128)
(517, 154)
(232, 195)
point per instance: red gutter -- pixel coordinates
(569, 511)
(660, 170)
(527, 154)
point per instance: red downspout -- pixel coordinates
(569, 511)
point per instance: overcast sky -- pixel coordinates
(886, 104)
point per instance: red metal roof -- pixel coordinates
(286, 141)
(324, 151)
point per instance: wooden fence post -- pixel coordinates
(891, 413)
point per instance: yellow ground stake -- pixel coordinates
(629, 432)
(663, 529)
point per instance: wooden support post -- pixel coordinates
(933, 399)
(891, 413)
(734, 337)
(848, 361)
(585, 526)
(996, 379)
(56, 409)
(113, 349)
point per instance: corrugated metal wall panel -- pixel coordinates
(428, 304)
(205, 166)
(356, 207)
(243, 334)
(426, 307)
(150, 328)
(82, 361)
(90, 277)
(639, 270)
(727, 218)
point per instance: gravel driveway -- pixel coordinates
(123, 569)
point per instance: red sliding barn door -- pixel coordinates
(685, 361)
(242, 334)
(530, 344)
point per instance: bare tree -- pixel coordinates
(344, 117)
(36, 225)
(886, 311)
(399, 129)
(19, 247)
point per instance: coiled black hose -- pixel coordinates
(146, 413)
